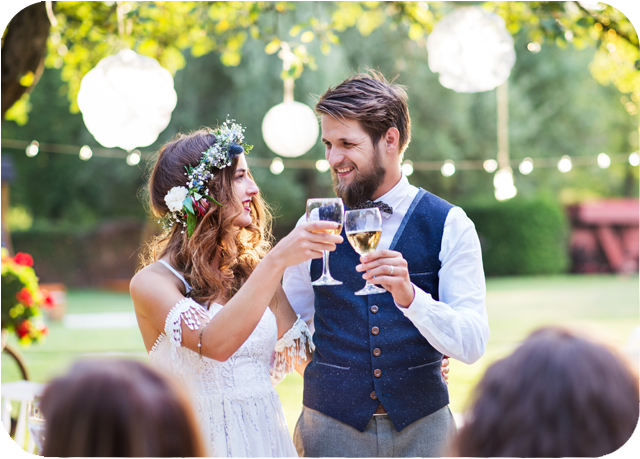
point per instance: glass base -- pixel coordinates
(326, 280)
(370, 289)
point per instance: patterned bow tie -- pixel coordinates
(385, 208)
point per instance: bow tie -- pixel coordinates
(385, 208)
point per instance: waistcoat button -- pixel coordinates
(376, 352)
(375, 330)
(374, 308)
(373, 395)
(377, 373)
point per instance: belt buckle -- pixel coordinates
(380, 411)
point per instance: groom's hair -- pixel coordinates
(373, 101)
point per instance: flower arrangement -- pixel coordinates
(188, 203)
(22, 299)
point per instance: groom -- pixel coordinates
(374, 387)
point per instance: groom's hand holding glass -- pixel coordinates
(390, 270)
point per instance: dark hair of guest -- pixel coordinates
(558, 395)
(118, 408)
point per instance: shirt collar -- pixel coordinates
(396, 195)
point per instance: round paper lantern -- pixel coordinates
(290, 129)
(471, 49)
(126, 100)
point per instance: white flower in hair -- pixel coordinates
(174, 198)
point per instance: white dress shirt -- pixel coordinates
(456, 325)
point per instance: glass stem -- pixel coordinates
(325, 264)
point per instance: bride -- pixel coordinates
(209, 303)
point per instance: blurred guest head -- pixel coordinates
(559, 394)
(118, 408)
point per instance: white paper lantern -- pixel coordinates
(126, 100)
(471, 49)
(290, 129)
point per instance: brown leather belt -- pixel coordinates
(380, 410)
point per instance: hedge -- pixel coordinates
(93, 256)
(522, 236)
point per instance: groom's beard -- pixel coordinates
(363, 185)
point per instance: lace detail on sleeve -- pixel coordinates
(289, 350)
(187, 311)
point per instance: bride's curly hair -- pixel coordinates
(219, 256)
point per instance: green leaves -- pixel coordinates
(209, 198)
(191, 223)
(188, 204)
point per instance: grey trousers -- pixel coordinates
(319, 435)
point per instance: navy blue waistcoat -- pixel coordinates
(367, 351)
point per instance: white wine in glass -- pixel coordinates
(326, 209)
(364, 228)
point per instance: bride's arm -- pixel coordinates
(155, 298)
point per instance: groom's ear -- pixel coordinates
(392, 140)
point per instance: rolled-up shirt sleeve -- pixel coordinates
(457, 325)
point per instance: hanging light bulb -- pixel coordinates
(133, 158)
(126, 100)
(504, 184)
(323, 165)
(564, 165)
(604, 161)
(277, 166)
(526, 166)
(490, 165)
(33, 149)
(448, 168)
(85, 153)
(407, 168)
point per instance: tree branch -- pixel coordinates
(605, 27)
(23, 51)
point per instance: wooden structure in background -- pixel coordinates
(605, 236)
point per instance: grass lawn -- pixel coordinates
(608, 305)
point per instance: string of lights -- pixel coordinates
(278, 165)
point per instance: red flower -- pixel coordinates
(200, 207)
(48, 301)
(23, 259)
(24, 296)
(43, 329)
(24, 328)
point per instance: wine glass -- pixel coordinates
(364, 228)
(328, 209)
(36, 423)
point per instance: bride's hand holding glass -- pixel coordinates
(308, 240)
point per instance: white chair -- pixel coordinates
(22, 392)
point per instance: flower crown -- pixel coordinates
(188, 203)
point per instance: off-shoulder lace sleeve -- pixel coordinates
(290, 349)
(187, 311)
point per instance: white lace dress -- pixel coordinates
(234, 401)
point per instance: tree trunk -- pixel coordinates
(23, 50)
